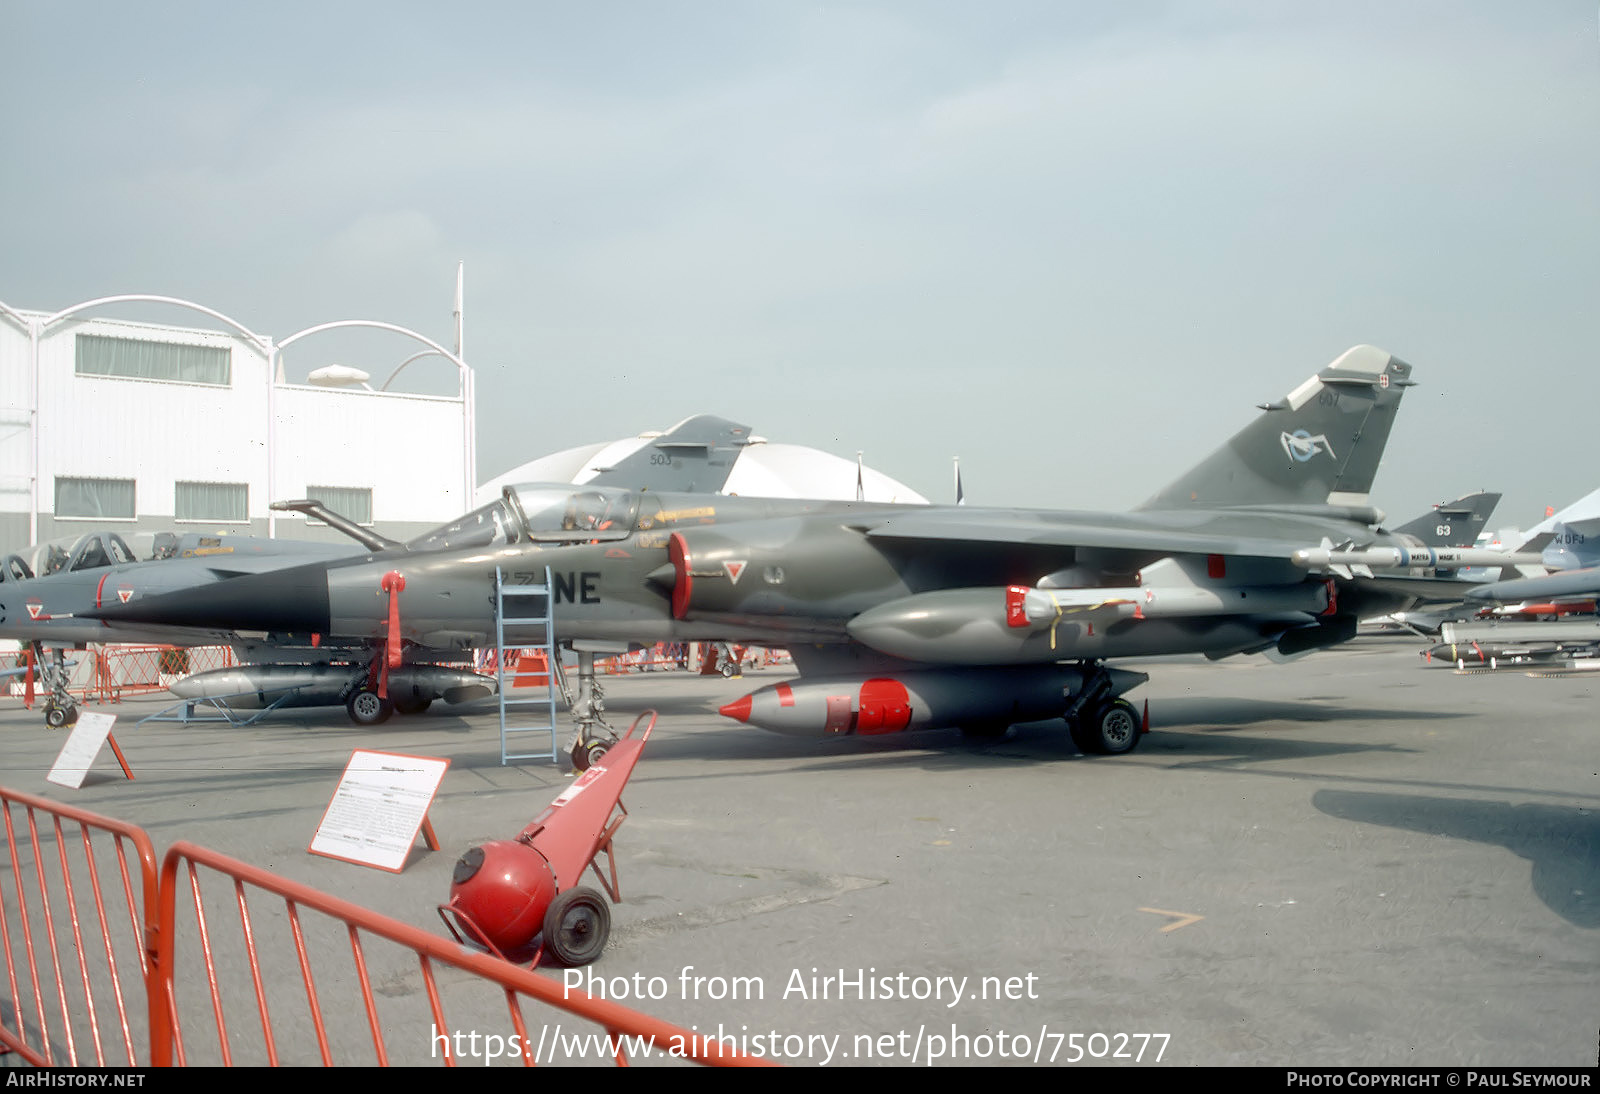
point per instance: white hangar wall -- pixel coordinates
(185, 439)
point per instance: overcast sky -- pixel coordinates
(1072, 243)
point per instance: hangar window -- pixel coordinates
(142, 359)
(95, 499)
(224, 501)
(354, 502)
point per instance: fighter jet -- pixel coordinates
(46, 591)
(95, 569)
(1439, 597)
(1573, 553)
(911, 617)
(1453, 523)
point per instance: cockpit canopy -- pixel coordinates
(547, 514)
(92, 551)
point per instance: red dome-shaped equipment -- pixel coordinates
(500, 891)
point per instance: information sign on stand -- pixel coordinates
(380, 804)
(83, 744)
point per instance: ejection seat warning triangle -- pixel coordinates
(380, 803)
(83, 745)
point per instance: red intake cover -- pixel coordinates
(683, 586)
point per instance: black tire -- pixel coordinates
(367, 708)
(1116, 728)
(412, 706)
(58, 717)
(585, 754)
(576, 926)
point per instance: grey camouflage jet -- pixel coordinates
(906, 617)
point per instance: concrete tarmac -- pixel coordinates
(1353, 859)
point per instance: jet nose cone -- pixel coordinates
(291, 599)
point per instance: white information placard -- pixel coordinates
(381, 802)
(88, 736)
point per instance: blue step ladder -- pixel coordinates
(524, 608)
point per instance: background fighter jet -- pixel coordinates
(46, 591)
(1453, 523)
(1573, 553)
(914, 617)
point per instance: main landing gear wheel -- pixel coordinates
(367, 708)
(59, 715)
(576, 926)
(585, 754)
(1111, 729)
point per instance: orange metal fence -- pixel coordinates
(528, 667)
(198, 976)
(108, 673)
(75, 983)
(139, 670)
(352, 964)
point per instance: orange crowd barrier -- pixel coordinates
(172, 963)
(75, 983)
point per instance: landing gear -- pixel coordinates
(1113, 729)
(1102, 724)
(594, 736)
(576, 926)
(585, 754)
(367, 708)
(60, 710)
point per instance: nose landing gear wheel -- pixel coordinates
(585, 754)
(59, 715)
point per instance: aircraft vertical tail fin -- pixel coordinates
(695, 456)
(1574, 545)
(1453, 524)
(1318, 445)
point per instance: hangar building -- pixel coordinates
(143, 427)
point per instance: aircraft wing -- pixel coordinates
(1136, 537)
(1567, 583)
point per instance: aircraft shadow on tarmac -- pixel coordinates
(1200, 713)
(1562, 842)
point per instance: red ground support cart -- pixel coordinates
(506, 893)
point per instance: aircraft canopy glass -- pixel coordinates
(92, 551)
(544, 514)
